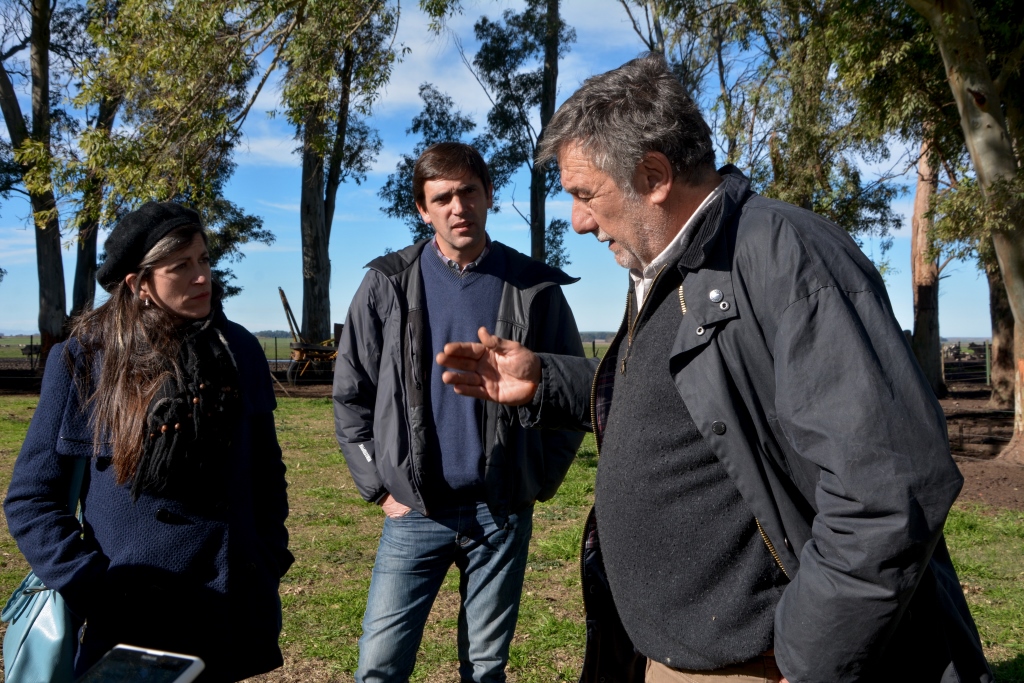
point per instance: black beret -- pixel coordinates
(137, 233)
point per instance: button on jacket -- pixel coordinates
(806, 390)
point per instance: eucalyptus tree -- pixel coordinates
(517, 67)
(439, 121)
(327, 94)
(891, 66)
(198, 68)
(30, 31)
(987, 87)
(66, 156)
(763, 71)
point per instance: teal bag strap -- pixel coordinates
(75, 492)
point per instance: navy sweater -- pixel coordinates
(457, 306)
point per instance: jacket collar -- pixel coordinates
(521, 271)
(735, 191)
(394, 263)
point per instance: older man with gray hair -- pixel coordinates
(774, 472)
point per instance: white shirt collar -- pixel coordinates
(642, 280)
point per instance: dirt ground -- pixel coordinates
(976, 435)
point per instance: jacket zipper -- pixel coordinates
(771, 548)
(631, 329)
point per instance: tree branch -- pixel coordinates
(15, 49)
(11, 108)
(1010, 67)
(462, 56)
(237, 122)
(521, 214)
(646, 40)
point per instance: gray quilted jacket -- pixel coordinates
(382, 384)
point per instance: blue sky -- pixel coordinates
(266, 183)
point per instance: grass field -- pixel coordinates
(10, 347)
(334, 537)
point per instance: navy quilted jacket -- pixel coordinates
(199, 577)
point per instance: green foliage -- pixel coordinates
(510, 67)
(181, 77)
(892, 64)
(554, 243)
(779, 110)
(10, 171)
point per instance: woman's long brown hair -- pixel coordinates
(136, 347)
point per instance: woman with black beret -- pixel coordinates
(183, 542)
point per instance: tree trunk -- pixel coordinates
(925, 275)
(341, 131)
(981, 117)
(1002, 340)
(538, 174)
(49, 262)
(316, 261)
(84, 290)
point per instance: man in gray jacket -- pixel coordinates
(456, 477)
(774, 472)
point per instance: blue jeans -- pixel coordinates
(414, 555)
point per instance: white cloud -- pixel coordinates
(291, 208)
(387, 160)
(259, 247)
(18, 246)
(267, 150)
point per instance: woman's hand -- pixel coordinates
(496, 369)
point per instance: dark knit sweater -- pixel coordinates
(457, 306)
(692, 580)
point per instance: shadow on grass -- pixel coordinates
(1010, 671)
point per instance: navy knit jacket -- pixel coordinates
(159, 572)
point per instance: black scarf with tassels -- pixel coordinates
(192, 418)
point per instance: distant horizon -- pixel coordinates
(608, 334)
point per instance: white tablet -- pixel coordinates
(129, 663)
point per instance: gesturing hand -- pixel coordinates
(495, 369)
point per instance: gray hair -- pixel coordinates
(619, 116)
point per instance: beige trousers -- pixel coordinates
(760, 669)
